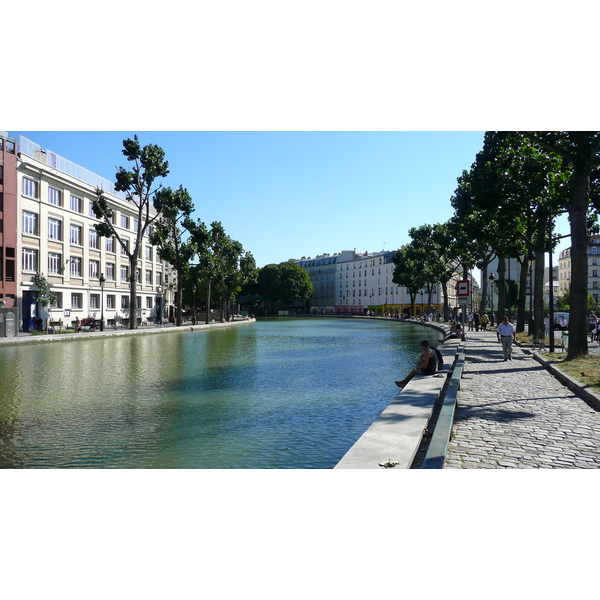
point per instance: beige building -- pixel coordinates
(564, 268)
(57, 238)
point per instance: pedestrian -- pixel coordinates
(476, 319)
(426, 364)
(506, 335)
(484, 321)
(470, 320)
(592, 322)
(77, 325)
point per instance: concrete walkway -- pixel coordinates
(515, 414)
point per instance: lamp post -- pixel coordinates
(102, 282)
(492, 279)
(194, 289)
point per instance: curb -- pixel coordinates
(591, 398)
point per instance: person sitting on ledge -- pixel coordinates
(426, 364)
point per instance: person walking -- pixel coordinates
(484, 321)
(476, 320)
(426, 364)
(506, 335)
(470, 321)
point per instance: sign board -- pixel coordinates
(463, 289)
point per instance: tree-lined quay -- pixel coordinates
(517, 415)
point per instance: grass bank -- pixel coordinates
(585, 369)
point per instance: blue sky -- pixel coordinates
(292, 194)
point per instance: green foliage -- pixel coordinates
(149, 164)
(286, 282)
(46, 297)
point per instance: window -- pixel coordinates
(148, 252)
(54, 263)
(125, 302)
(148, 277)
(149, 302)
(94, 240)
(138, 275)
(124, 222)
(30, 259)
(110, 271)
(94, 300)
(30, 187)
(76, 235)
(138, 302)
(136, 225)
(54, 197)
(30, 223)
(124, 273)
(76, 300)
(76, 204)
(110, 301)
(54, 229)
(124, 246)
(110, 244)
(94, 269)
(159, 278)
(75, 266)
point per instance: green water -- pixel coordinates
(280, 393)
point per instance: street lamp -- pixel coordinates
(492, 279)
(102, 282)
(194, 289)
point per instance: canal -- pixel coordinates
(280, 393)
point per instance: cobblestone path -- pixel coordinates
(515, 414)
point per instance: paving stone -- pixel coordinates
(518, 415)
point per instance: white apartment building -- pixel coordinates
(57, 238)
(354, 283)
(564, 268)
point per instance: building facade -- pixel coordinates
(355, 283)
(56, 237)
(593, 259)
(8, 221)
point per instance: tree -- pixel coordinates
(175, 209)
(410, 262)
(579, 171)
(286, 282)
(148, 165)
(46, 297)
(294, 283)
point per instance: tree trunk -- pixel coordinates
(179, 319)
(445, 295)
(522, 296)
(579, 238)
(501, 287)
(208, 286)
(132, 292)
(484, 280)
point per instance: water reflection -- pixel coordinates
(282, 393)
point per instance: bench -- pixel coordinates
(438, 446)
